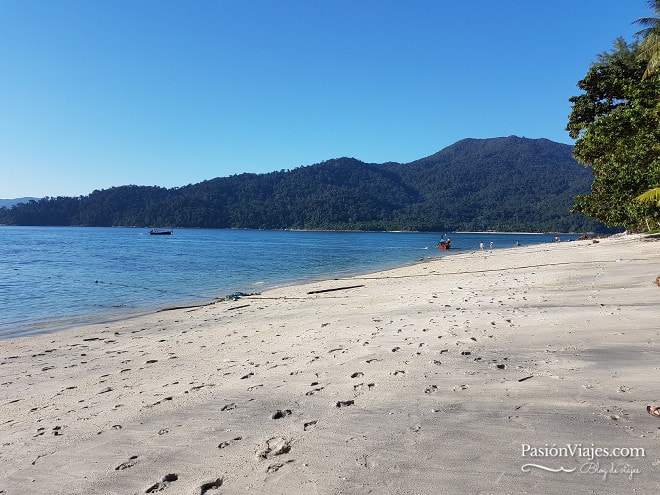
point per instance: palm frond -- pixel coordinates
(647, 22)
(649, 48)
(650, 196)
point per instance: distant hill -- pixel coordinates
(8, 203)
(507, 183)
(504, 184)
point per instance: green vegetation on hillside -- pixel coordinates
(506, 184)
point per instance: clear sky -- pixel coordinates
(95, 94)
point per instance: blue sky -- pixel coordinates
(95, 94)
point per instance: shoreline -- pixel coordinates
(430, 377)
(50, 325)
(56, 325)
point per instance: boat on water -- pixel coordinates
(444, 245)
(160, 232)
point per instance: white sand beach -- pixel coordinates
(431, 378)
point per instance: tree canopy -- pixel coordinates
(615, 122)
(649, 51)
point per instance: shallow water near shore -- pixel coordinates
(58, 277)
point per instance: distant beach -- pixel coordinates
(518, 370)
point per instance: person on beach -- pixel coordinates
(491, 245)
(481, 246)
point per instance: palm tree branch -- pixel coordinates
(650, 196)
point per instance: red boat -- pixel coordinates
(444, 244)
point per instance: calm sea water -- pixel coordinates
(56, 277)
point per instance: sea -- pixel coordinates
(53, 278)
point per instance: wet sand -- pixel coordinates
(448, 376)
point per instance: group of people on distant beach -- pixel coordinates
(446, 243)
(481, 245)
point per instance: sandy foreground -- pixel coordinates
(448, 376)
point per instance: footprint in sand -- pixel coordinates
(309, 424)
(460, 387)
(281, 414)
(159, 402)
(162, 485)
(274, 446)
(227, 443)
(431, 389)
(129, 463)
(273, 468)
(211, 485)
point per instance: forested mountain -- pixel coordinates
(8, 203)
(512, 183)
(501, 184)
